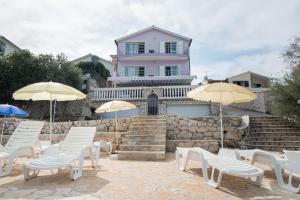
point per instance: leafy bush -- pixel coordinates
(22, 68)
(286, 91)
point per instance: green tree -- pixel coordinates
(23, 68)
(96, 69)
(286, 90)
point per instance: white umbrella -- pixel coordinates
(115, 106)
(223, 93)
(48, 91)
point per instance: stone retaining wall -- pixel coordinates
(184, 132)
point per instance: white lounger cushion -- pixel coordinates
(52, 161)
(291, 164)
(70, 154)
(224, 164)
(20, 143)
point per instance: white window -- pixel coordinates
(135, 48)
(171, 47)
(135, 71)
(171, 70)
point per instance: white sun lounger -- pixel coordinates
(290, 163)
(224, 164)
(70, 154)
(20, 143)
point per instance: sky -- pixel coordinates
(229, 36)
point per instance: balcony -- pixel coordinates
(132, 81)
(139, 93)
(152, 56)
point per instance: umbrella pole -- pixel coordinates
(221, 120)
(50, 124)
(2, 132)
(116, 114)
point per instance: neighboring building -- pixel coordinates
(93, 58)
(258, 84)
(7, 47)
(89, 82)
(153, 72)
(250, 80)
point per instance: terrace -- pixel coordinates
(138, 93)
(116, 179)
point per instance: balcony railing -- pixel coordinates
(176, 92)
(137, 93)
(132, 93)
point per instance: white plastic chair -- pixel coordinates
(70, 154)
(290, 163)
(20, 143)
(223, 164)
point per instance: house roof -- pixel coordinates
(9, 42)
(251, 73)
(153, 28)
(90, 55)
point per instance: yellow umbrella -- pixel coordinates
(115, 106)
(48, 91)
(223, 93)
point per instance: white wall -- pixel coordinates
(189, 110)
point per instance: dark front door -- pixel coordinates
(152, 104)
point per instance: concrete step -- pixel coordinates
(143, 141)
(125, 147)
(141, 155)
(144, 137)
(278, 130)
(273, 147)
(262, 125)
(148, 127)
(275, 143)
(146, 132)
(273, 138)
(254, 134)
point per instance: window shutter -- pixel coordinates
(178, 70)
(121, 71)
(162, 47)
(162, 70)
(179, 47)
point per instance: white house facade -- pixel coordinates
(153, 72)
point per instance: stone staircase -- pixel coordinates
(145, 140)
(273, 134)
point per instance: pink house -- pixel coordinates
(153, 72)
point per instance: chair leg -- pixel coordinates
(77, 169)
(96, 156)
(6, 166)
(28, 175)
(207, 180)
(288, 186)
(257, 181)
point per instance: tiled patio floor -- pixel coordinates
(136, 180)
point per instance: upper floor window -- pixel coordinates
(241, 83)
(171, 47)
(171, 70)
(135, 71)
(2, 48)
(135, 48)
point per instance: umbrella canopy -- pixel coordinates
(223, 93)
(9, 110)
(48, 91)
(114, 106)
